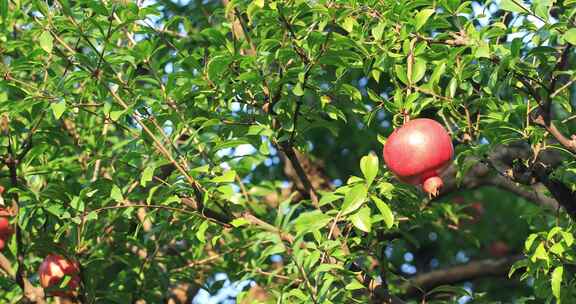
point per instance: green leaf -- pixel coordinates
(348, 24)
(369, 167)
(540, 253)
(354, 199)
(385, 211)
(520, 264)
(570, 36)
(419, 70)
(516, 6)
(218, 65)
(568, 238)
(542, 8)
(201, 169)
(201, 233)
(328, 198)
(483, 50)
(116, 194)
(452, 86)
(147, 176)
(58, 109)
(227, 177)
(557, 282)
(238, 222)
(400, 72)
(553, 232)
(114, 115)
(354, 285)
(362, 219)
(46, 41)
(259, 3)
(310, 221)
(422, 17)
(378, 31)
(438, 72)
(65, 6)
(352, 91)
(529, 241)
(298, 90)
(449, 289)
(4, 10)
(558, 249)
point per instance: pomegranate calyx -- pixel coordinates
(432, 186)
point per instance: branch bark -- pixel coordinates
(455, 274)
(491, 172)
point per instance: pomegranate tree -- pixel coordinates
(418, 152)
(54, 269)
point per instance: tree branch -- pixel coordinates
(540, 120)
(288, 150)
(455, 274)
(482, 175)
(560, 66)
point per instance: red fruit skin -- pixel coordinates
(418, 150)
(499, 249)
(5, 229)
(54, 268)
(476, 211)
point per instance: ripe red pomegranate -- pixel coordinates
(5, 231)
(53, 269)
(418, 152)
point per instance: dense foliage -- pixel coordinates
(160, 143)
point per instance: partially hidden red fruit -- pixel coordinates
(476, 210)
(5, 229)
(418, 152)
(499, 249)
(53, 270)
